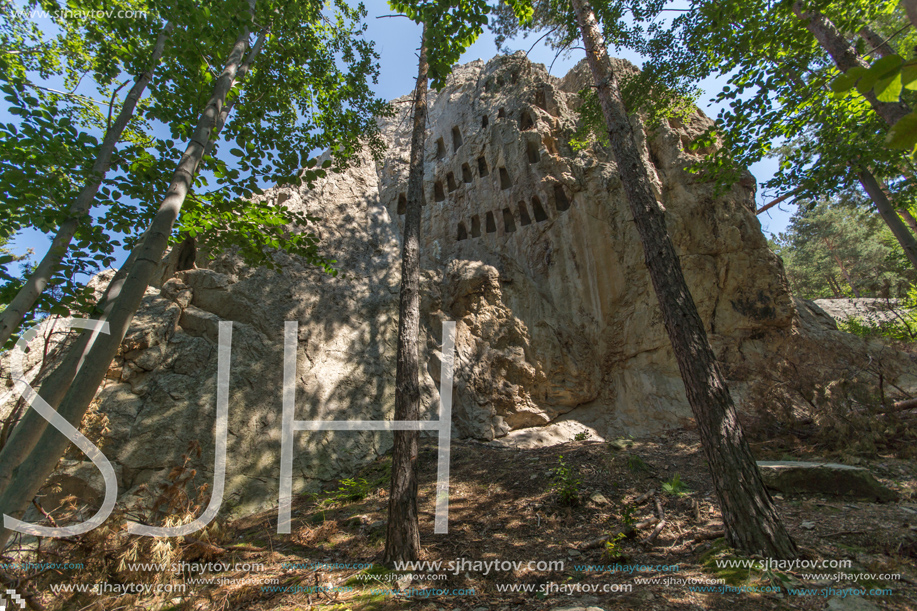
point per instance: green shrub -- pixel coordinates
(675, 486)
(613, 549)
(350, 490)
(565, 484)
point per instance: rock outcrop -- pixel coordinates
(527, 243)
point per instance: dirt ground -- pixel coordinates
(505, 506)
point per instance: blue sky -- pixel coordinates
(397, 40)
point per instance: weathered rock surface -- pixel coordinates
(867, 310)
(795, 477)
(528, 245)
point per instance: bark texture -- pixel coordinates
(841, 265)
(25, 299)
(845, 57)
(910, 7)
(889, 215)
(402, 538)
(28, 477)
(876, 42)
(751, 520)
(29, 429)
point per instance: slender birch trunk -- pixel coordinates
(402, 539)
(25, 299)
(93, 362)
(752, 523)
(845, 57)
(29, 429)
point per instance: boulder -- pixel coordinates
(798, 477)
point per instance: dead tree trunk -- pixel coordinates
(35, 285)
(752, 523)
(91, 366)
(402, 539)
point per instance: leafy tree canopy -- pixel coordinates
(834, 248)
(308, 91)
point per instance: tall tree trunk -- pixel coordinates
(841, 265)
(30, 428)
(834, 287)
(402, 538)
(752, 523)
(887, 212)
(16, 311)
(876, 42)
(909, 219)
(30, 475)
(910, 7)
(845, 57)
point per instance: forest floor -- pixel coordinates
(503, 508)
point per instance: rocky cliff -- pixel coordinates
(528, 244)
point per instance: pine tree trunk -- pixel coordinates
(402, 539)
(31, 474)
(751, 520)
(22, 303)
(887, 212)
(845, 57)
(841, 265)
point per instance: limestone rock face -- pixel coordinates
(527, 244)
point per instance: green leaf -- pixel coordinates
(847, 80)
(909, 75)
(903, 134)
(886, 65)
(880, 70)
(889, 89)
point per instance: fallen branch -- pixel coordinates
(245, 548)
(774, 202)
(208, 547)
(644, 497)
(649, 540)
(900, 406)
(661, 514)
